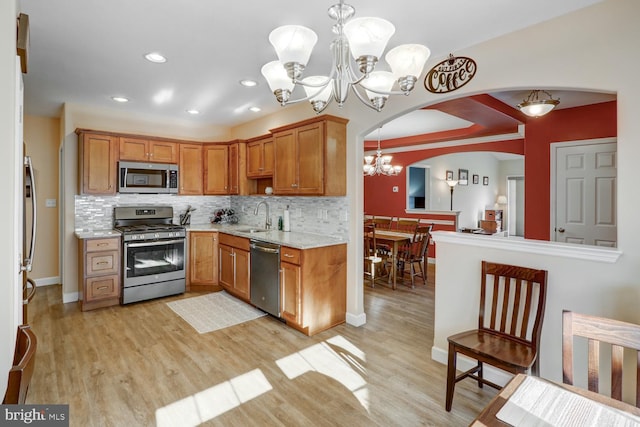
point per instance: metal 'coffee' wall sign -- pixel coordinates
(450, 74)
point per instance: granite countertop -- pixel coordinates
(293, 239)
(95, 234)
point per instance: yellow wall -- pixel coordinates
(42, 142)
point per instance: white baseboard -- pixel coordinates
(46, 281)
(464, 364)
(356, 319)
(69, 297)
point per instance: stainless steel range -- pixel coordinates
(153, 252)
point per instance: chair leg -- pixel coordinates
(412, 272)
(451, 377)
(480, 366)
(423, 272)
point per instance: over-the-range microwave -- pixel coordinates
(150, 178)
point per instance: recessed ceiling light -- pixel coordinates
(248, 83)
(155, 57)
(194, 112)
(255, 109)
(120, 99)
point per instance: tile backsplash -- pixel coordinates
(320, 215)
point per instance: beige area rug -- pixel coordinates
(214, 311)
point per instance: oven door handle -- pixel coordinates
(158, 243)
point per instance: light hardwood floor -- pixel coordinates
(117, 366)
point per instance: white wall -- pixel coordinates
(471, 199)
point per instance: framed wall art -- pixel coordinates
(449, 176)
(463, 176)
(476, 179)
(485, 180)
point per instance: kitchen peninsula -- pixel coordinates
(313, 270)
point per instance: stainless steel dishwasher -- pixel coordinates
(265, 276)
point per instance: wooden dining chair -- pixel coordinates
(415, 254)
(512, 301)
(372, 259)
(23, 363)
(619, 335)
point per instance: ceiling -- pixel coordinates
(86, 51)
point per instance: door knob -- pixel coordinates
(560, 230)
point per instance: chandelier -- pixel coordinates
(379, 165)
(533, 106)
(363, 38)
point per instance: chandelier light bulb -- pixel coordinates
(293, 43)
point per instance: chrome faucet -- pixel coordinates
(267, 222)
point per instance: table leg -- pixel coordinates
(394, 255)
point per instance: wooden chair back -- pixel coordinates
(512, 301)
(407, 225)
(22, 370)
(370, 248)
(383, 222)
(596, 330)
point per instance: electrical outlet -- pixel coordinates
(344, 216)
(325, 214)
(319, 213)
(298, 212)
(50, 203)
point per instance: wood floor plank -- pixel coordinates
(119, 365)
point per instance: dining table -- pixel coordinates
(532, 401)
(395, 240)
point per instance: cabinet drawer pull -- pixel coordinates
(102, 262)
(103, 244)
(288, 256)
(102, 287)
(294, 185)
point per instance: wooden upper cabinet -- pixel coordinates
(190, 165)
(216, 169)
(260, 157)
(134, 149)
(163, 152)
(310, 157)
(143, 150)
(99, 169)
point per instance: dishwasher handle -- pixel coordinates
(266, 249)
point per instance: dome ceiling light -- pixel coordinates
(533, 106)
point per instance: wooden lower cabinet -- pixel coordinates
(203, 261)
(313, 288)
(234, 265)
(99, 272)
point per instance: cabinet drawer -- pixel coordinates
(102, 263)
(102, 287)
(111, 244)
(234, 241)
(290, 255)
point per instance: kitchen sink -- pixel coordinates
(252, 230)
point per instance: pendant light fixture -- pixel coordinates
(534, 106)
(364, 39)
(380, 165)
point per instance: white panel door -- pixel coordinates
(586, 194)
